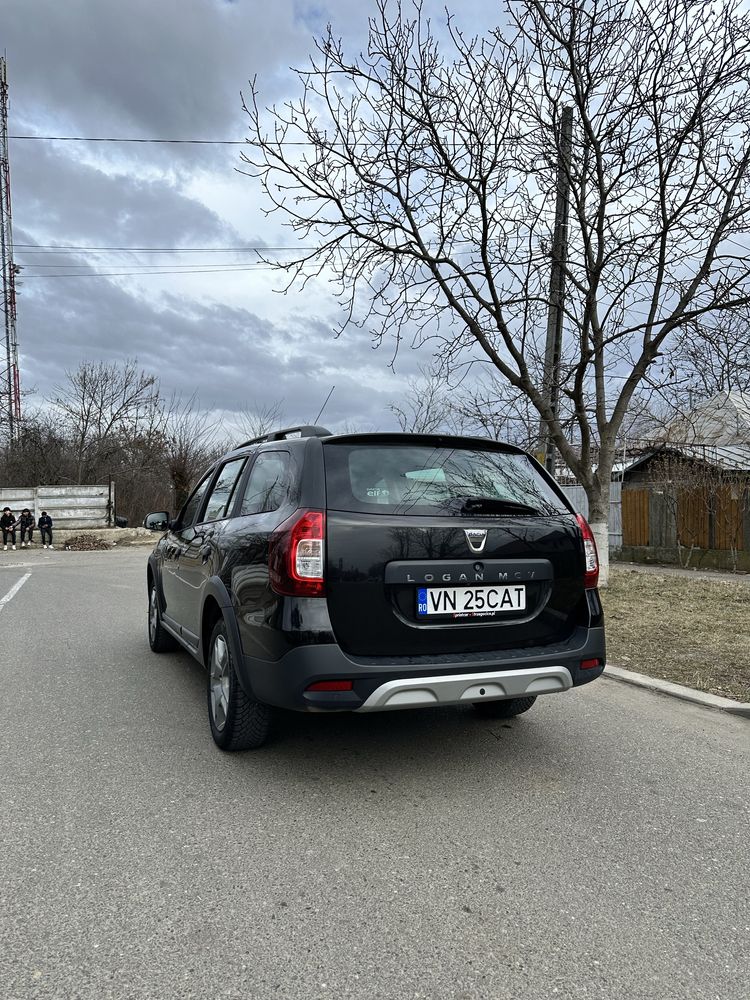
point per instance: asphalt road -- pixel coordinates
(598, 846)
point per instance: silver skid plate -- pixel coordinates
(421, 692)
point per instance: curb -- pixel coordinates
(678, 691)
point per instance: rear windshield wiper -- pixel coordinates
(496, 505)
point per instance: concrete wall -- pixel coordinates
(68, 506)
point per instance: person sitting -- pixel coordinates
(26, 524)
(45, 526)
(8, 524)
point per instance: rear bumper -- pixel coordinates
(423, 692)
(402, 682)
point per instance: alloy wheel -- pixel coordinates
(219, 681)
(153, 615)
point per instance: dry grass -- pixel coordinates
(692, 632)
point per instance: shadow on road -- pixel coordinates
(412, 748)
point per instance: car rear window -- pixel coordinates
(419, 479)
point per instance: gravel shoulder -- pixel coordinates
(692, 631)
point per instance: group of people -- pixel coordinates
(25, 523)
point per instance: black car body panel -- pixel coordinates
(285, 682)
(374, 614)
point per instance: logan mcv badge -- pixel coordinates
(476, 538)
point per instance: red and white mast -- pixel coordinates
(10, 383)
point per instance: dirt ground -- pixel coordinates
(691, 631)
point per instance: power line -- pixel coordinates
(225, 266)
(191, 142)
(46, 247)
(131, 274)
(251, 248)
(173, 142)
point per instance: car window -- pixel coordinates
(421, 479)
(220, 497)
(191, 508)
(268, 483)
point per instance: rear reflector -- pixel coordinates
(588, 664)
(331, 686)
(591, 576)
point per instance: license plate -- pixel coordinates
(470, 602)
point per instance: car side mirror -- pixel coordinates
(158, 521)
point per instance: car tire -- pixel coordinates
(159, 639)
(237, 721)
(506, 709)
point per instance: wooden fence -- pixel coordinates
(635, 517)
(700, 517)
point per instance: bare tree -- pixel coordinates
(425, 407)
(705, 361)
(423, 181)
(713, 357)
(111, 421)
(497, 410)
(39, 451)
(256, 421)
(191, 442)
(433, 403)
(99, 405)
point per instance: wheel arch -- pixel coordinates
(217, 605)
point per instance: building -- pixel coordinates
(687, 498)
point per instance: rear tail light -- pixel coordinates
(590, 664)
(591, 576)
(296, 555)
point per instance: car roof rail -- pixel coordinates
(303, 430)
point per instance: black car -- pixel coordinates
(362, 572)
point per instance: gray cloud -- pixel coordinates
(230, 357)
(171, 69)
(166, 68)
(63, 200)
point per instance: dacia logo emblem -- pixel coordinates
(476, 538)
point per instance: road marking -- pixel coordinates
(13, 591)
(23, 565)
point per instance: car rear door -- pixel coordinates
(200, 552)
(439, 546)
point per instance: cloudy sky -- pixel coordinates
(160, 69)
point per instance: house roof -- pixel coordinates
(732, 458)
(716, 432)
(723, 420)
(736, 457)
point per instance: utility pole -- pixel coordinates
(10, 384)
(551, 376)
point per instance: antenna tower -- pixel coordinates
(10, 383)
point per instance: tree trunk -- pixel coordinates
(598, 496)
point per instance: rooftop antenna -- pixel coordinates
(325, 403)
